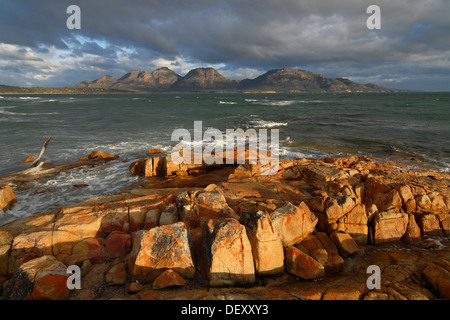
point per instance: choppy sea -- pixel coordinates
(412, 127)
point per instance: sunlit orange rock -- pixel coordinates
(43, 278)
(293, 223)
(168, 278)
(105, 156)
(7, 198)
(266, 244)
(302, 265)
(228, 253)
(161, 248)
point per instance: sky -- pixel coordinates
(240, 38)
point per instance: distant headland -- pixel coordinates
(162, 80)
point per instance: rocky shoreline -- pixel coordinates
(228, 232)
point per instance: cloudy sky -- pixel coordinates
(240, 38)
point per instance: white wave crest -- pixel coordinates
(277, 103)
(268, 124)
(29, 98)
(9, 113)
(227, 102)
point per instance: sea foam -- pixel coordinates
(227, 102)
(267, 124)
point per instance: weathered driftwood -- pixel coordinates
(43, 170)
(41, 154)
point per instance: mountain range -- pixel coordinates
(286, 80)
(210, 80)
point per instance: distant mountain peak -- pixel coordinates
(163, 70)
(205, 79)
(107, 77)
(136, 74)
(164, 77)
(102, 82)
(208, 71)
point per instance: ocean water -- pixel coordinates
(414, 127)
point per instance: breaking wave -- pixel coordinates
(267, 124)
(227, 102)
(277, 103)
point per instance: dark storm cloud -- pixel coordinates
(241, 37)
